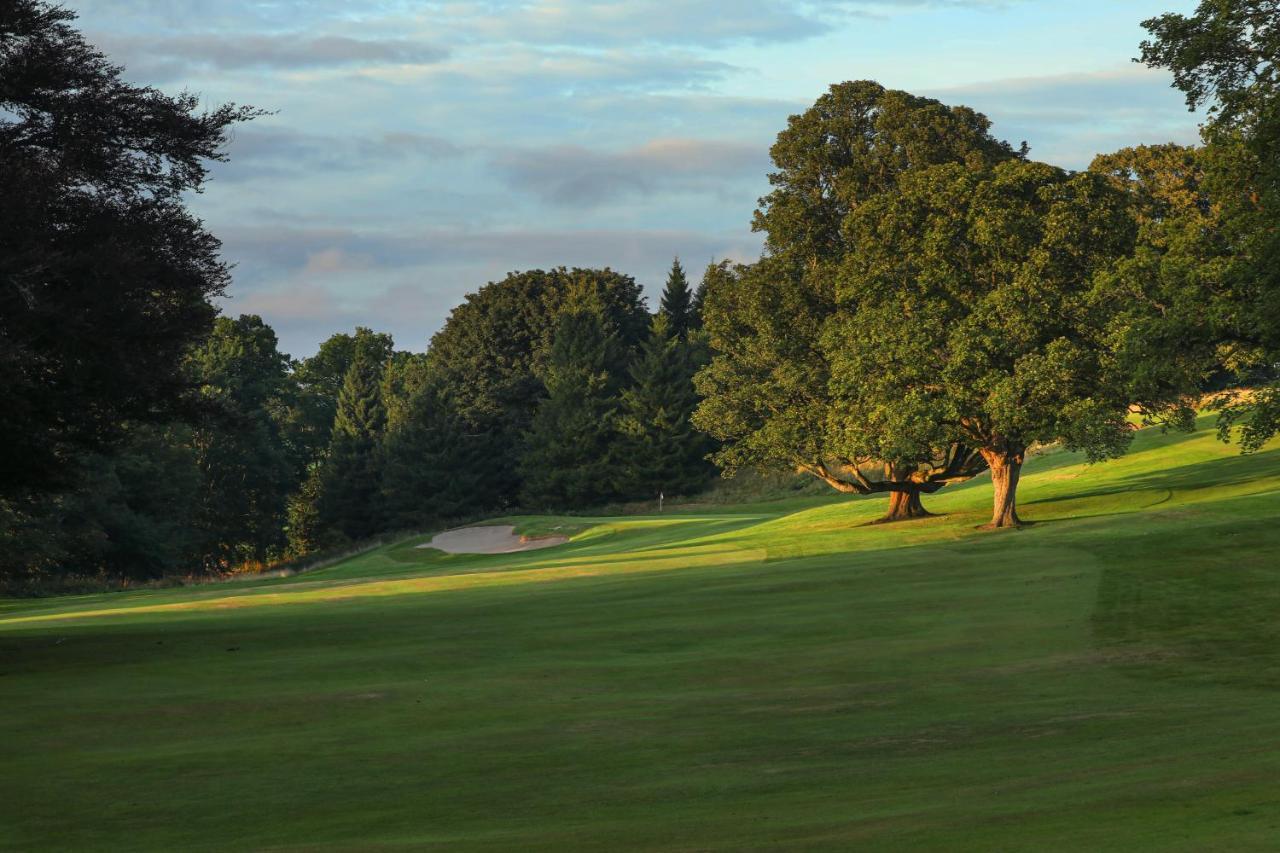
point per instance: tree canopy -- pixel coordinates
(1226, 57)
(968, 314)
(105, 277)
(767, 390)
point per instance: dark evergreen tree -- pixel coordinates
(403, 378)
(434, 466)
(303, 531)
(657, 450)
(319, 379)
(566, 459)
(677, 301)
(247, 468)
(493, 350)
(350, 487)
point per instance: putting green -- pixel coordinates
(772, 676)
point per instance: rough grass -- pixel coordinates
(764, 676)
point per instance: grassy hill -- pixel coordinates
(766, 676)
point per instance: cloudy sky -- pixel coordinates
(421, 149)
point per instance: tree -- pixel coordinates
(766, 392)
(433, 464)
(714, 270)
(105, 277)
(657, 449)
(320, 380)
(493, 350)
(132, 514)
(247, 468)
(1226, 56)
(969, 314)
(350, 481)
(403, 378)
(1163, 339)
(676, 304)
(566, 458)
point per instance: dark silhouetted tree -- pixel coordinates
(350, 481)
(492, 352)
(105, 277)
(677, 301)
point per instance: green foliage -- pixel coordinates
(852, 144)
(968, 313)
(493, 349)
(133, 515)
(320, 380)
(434, 467)
(767, 392)
(247, 468)
(1227, 56)
(566, 459)
(350, 486)
(657, 449)
(677, 301)
(304, 533)
(404, 376)
(105, 277)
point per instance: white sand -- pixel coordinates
(498, 539)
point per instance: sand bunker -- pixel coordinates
(498, 539)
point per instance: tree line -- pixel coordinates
(931, 303)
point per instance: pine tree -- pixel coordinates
(350, 488)
(657, 450)
(677, 300)
(566, 461)
(433, 465)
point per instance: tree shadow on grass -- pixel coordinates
(1188, 480)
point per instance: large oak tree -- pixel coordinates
(767, 394)
(969, 313)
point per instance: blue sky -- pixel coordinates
(421, 149)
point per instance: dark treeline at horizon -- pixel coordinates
(930, 304)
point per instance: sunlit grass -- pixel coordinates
(774, 675)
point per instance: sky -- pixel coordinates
(418, 150)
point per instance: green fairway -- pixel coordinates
(771, 676)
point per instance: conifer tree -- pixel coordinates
(434, 466)
(677, 300)
(350, 488)
(566, 461)
(657, 450)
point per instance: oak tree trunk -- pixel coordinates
(902, 506)
(1006, 468)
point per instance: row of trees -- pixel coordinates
(932, 303)
(583, 398)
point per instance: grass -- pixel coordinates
(760, 676)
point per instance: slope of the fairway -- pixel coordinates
(773, 676)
